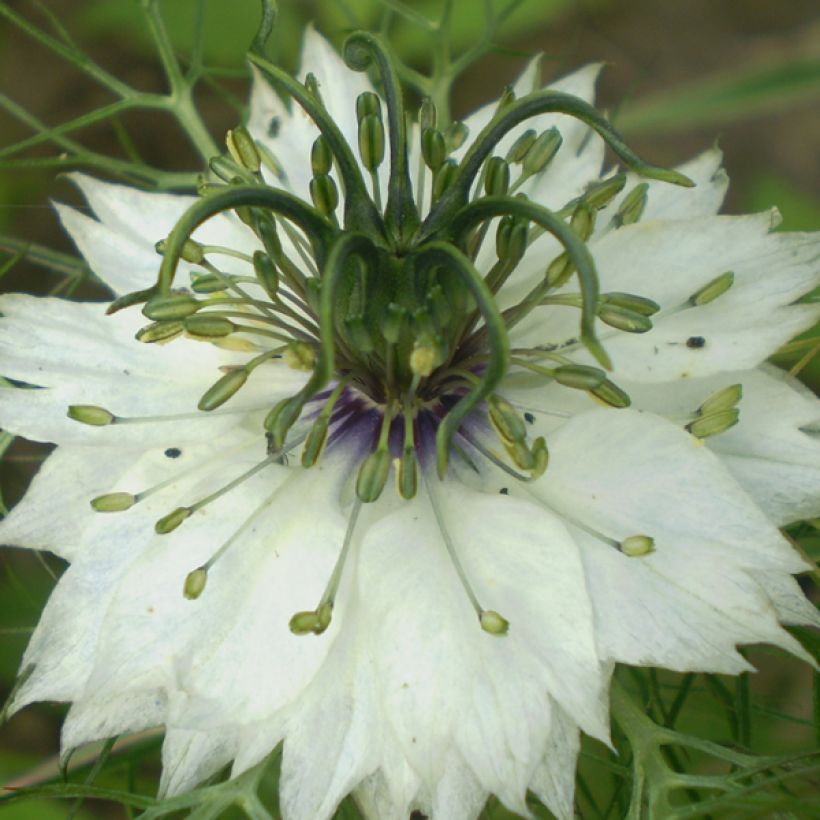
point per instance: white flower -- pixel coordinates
(651, 538)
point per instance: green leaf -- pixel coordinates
(749, 91)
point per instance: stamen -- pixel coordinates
(375, 469)
(318, 620)
(717, 287)
(172, 520)
(490, 620)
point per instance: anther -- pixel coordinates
(266, 273)
(321, 157)
(113, 502)
(209, 282)
(423, 359)
(433, 148)
(324, 193)
(368, 104)
(159, 332)
(497, 178)
(223, 389)
(300, 356)
(717, 287)
(637, 546)
(582, 220)
(373, 474)
(633, 206)
(493, 623)
(91, 414)
(609, 393)
(195, 582)
(506, 420)
(444, 178)
(170, 306)
(579, 376)
(722, 400)
(521, 146)
(541, 152)
(456, 135)
(168, 523)
(629, 301)
(393, 321)
(714, 424)
(203, 326)
(371, 141)
(242, 148)
(601, 194)
(428, 114)
(624, 319)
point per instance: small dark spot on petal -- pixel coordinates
(504, 491)
(696, 342)
(529, 418)
(173, 452)
(273, 127)
(417, 815)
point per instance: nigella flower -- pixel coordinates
(407, 451)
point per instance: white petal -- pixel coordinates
(554, 780)
(771, 452)
(188, 758)
(623, 473)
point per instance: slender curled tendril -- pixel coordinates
(443, 253)
(283, 416)
(482, 209)
(539, 102)
(401, 215)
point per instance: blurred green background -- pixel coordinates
(679, 76)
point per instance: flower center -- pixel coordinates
(375, 293)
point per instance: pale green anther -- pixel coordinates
(521, 454)
(373, 474)
(91, 414)
(359, 334)
(208, 283)
(541, 456)
(367, 104)
(209, 327)
(321, 157)
(315, 442)
(171, 306)
(582, 221)
(325, 614)
(225, 168)
(312, 85)
(722, 400)
(521, 146)
(423, 324)
(223, 389)
(266, 272)
(633, 206)
(579, 376)
(195, 582)
(168, 523)
(624, 319)
(506, 420)
(511, 240)
(428, 114)
(456, 135)
(371, 141)
(717, 287)
(324, 194)
(636, 546)
(393, 321)
(433, 148)
(602, 193)
(423, 359)
(541, 152)
(559, 271)
(493, 623)
(304, 623)
(497, 178)
(609, 393)
(113, 502)
(191, 251)
(159, 332)
(280, 419)
(407, 475)
(629, 301)
(300, 356)
(714, 424)
(242, 148)
(270, 237)
(205, 188)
